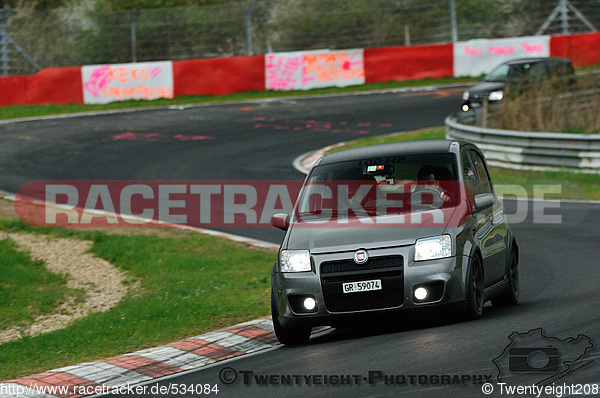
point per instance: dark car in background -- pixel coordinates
(520, 73)
(450, 249)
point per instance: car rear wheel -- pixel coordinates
(475, 292)
(289, 336)
(511, 296)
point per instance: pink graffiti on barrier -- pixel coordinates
(289, 71)
(472, 51)
(503, 50)
(124, 74)
(332, 67)
(159, 137)
(155, 72)
(127, 82)
(533, 48)
(100, 77)
(281, 71)
(142, 91)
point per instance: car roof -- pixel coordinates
(394, 149)
(533, 60)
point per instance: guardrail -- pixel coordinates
(531, 150)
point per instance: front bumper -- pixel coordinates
(399, 275)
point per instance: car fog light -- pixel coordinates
(310, 303)
(420, 293)
(465, 107)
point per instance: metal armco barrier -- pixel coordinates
(531, 150)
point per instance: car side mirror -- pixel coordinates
(281, 221)
(484, 201)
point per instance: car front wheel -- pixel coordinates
(289, 336)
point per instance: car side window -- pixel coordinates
(539, 71)
(482, 175)
(469, 176)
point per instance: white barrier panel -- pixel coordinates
(119, 82)
(304, 70)
(477, 57)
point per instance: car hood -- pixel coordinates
(357, 234)
(486, 87)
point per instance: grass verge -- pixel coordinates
(24, 111)
(189, 284)
(573, 185)
(27, 289)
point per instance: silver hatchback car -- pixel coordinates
(383, 229)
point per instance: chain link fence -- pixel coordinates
(30, 40)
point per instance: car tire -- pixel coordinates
(475, 292)
(511, 295)
(288, 336)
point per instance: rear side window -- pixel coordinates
(483, 177)
(539, 71)
(469, 176)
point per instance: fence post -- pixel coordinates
(4, 41)
(249, 27)
(564, 18)
(484, 111)
(133, 36)
(453, 21)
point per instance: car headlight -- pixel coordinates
(433, 248)
(294, 261)
(465, 96)
(496, 95)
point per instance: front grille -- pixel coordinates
(388, 269)
(331, 267)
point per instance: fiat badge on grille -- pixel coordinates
(361, 256)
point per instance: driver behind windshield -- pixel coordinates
(429, 180)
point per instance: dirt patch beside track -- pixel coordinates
(102, 283)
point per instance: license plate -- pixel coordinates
(362, 286)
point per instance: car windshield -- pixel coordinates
(509, 72)
(387, 185)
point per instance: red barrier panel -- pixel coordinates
(14, 90)
(48, 86)
(404, 63)
(582, 49)
(219, 76)
(56, 86)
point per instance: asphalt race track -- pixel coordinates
(433, 356)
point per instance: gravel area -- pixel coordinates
(101, 282)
